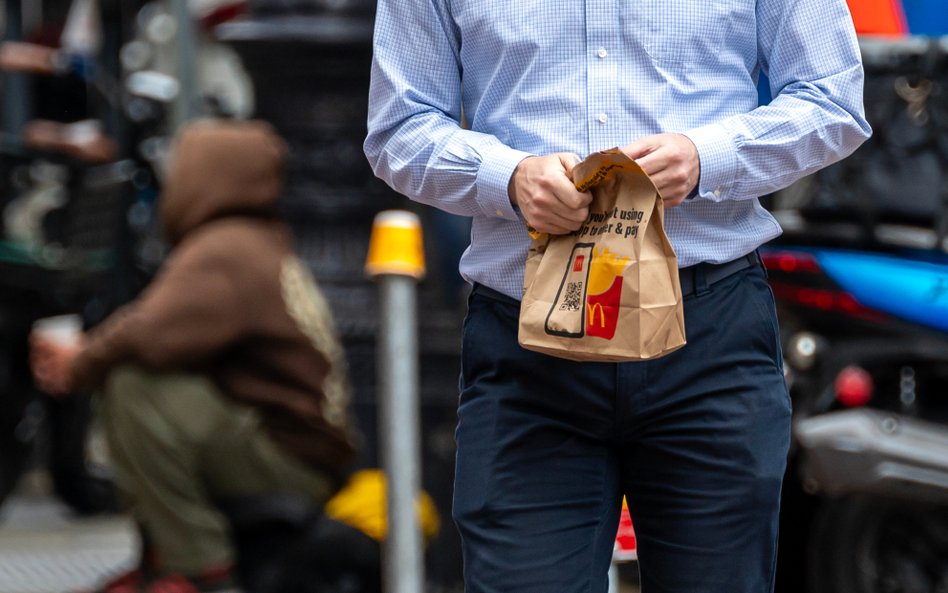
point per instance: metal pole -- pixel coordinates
(110, 110)
(186, 107)
(613, 577)
(400, 426)
(17, 98)
(396, 260)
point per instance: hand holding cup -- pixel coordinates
(54, 344)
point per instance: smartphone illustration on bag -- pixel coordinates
(567, 316)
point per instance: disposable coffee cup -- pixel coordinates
(62, 329)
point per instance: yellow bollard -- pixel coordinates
(396, 261)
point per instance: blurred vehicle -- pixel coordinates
(866, 347)
(860, 278)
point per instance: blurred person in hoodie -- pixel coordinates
(225, 377)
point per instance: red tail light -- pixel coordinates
(796, 276)
(790, 261)
(222, 13)
(853, 386)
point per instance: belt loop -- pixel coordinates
(758, 261)
(686, 277)
(701, 280)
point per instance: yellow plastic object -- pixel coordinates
(361, 504)
(534, 234)
(396, 245)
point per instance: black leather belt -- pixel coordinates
(696, 278)
(490, 293)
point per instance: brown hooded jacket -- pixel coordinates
(233, 302)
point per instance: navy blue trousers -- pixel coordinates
(696, 440)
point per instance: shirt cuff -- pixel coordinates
(497, 166)
(718, 157)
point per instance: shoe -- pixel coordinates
(218, 580)
(127, 582)
(135, 581)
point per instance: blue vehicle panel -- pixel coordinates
(913, 290)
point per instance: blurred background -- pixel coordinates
(92, 90)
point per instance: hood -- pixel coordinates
(221, 168)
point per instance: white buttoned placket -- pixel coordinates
(602, 73)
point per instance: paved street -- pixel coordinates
(46, 549)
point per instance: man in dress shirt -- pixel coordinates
(697, 440)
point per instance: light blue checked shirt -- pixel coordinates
(534, 77)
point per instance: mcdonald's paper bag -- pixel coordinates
(610, 290)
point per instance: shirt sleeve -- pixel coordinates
(415, 140)
(809, 51)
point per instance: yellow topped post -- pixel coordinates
(396, 260)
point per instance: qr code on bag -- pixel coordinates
(573, 299)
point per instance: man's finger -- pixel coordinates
(564, 219)
(653, 163)
(568, 160)
(572, 200)
(552, 229)
(640, 147)
(571, 219)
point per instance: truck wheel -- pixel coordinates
(863, 544)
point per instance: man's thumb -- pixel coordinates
(569, 160)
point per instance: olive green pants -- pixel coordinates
(177, 445)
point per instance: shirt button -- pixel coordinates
(601, 52)
(603, 118)
(717, 193)
(499, 212)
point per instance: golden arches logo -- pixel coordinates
(603, 299)
(591, 309)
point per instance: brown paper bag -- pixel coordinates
(609, 291)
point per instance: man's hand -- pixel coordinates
(671, 161)
(51, 363)
(542, 188)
